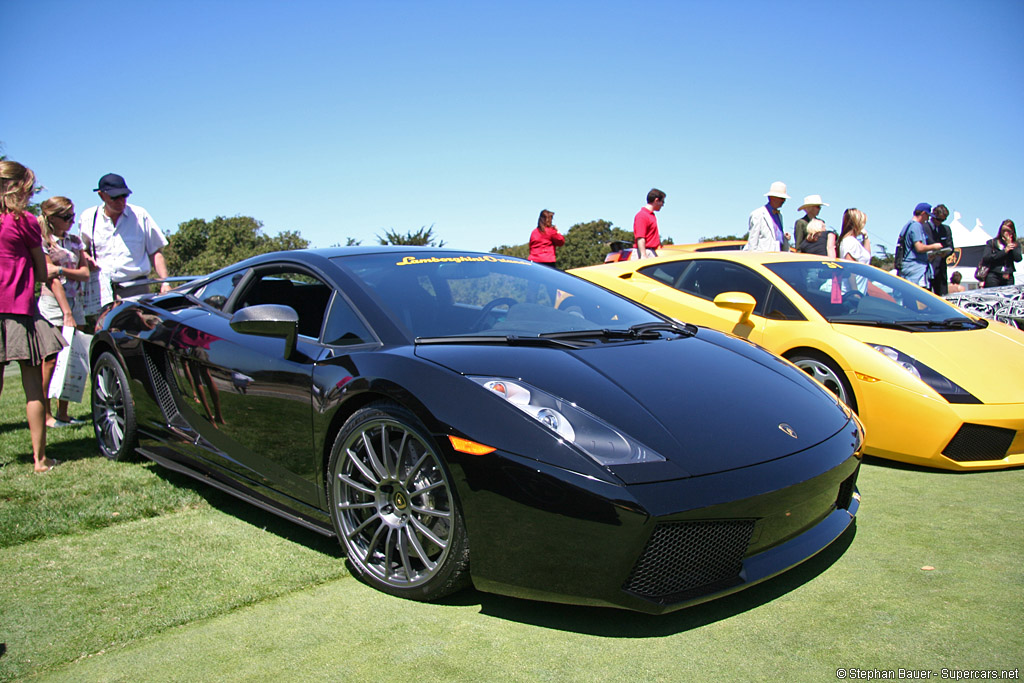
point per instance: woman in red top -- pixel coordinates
(544, 239)
(26, 336)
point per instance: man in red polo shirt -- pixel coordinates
(645, 226)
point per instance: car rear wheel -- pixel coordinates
(824, 369)
(113, 413)
(393, 506)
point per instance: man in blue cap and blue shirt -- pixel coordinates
(916, 266)
(123, 238)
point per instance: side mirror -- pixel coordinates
(269, 320)
(737, 301)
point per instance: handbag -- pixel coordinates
(72, 368)
(981, 272)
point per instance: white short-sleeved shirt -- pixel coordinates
(122, 251)
(852, 246)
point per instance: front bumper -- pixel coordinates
(543, 533)
(934, 433)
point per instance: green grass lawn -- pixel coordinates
(125, 571)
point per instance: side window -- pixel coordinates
(708, 279)
(216, 293)
(781, 308)
(667, 273)
(344, 328)
(303, 292)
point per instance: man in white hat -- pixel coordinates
(766, 223)
(811, 207)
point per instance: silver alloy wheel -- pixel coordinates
(112, 411)
(824, 373)
(394, 504)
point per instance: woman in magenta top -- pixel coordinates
(544, 239)
(26, 336)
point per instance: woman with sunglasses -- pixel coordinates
(27, 337)
(58, 300)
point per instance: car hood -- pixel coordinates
(708, 403)
(986, 362)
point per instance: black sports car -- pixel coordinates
(455, 416)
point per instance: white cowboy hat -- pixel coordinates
(812, 200)
(778, 189)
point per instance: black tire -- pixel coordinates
(113, 412)
(394, 508)
(824, 369)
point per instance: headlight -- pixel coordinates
(943, 386)
(593, 436)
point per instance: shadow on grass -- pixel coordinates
(251, 514)
(617, 623)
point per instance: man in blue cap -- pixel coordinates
(123, 238)
(915, 265)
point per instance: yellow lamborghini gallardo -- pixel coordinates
(933, 384)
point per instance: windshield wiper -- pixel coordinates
(948, 323)
(887, 324)
(507, 339)
(915, 325)
(640, 331)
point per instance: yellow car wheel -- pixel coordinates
(824, 369)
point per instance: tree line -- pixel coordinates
(200, 246)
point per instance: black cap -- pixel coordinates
(113, 185)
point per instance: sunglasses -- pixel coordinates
(70, 216)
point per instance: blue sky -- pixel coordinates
(347, 119)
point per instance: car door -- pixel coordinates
(251, 405)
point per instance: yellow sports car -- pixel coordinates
(934, 385)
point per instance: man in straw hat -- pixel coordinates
(812, 205)
(766, 223)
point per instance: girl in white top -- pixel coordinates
(853, 242)
(855, 245)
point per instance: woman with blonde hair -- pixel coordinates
(26, 336)
(853, 241)
(58, 300)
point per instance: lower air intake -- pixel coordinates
(979, 442)
(684, 560)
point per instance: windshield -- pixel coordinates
(849, 292)
(450, 294)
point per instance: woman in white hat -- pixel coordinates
(811, 207)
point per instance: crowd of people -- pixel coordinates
(119, 243)
(922, 244)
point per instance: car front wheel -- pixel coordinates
(113, 413)
(824, 369)
(393, 506)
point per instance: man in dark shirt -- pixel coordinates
(940, 232)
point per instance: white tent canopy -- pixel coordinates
(962, 237)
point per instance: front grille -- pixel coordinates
(683, 560)
(979, 442)
(845, 496)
